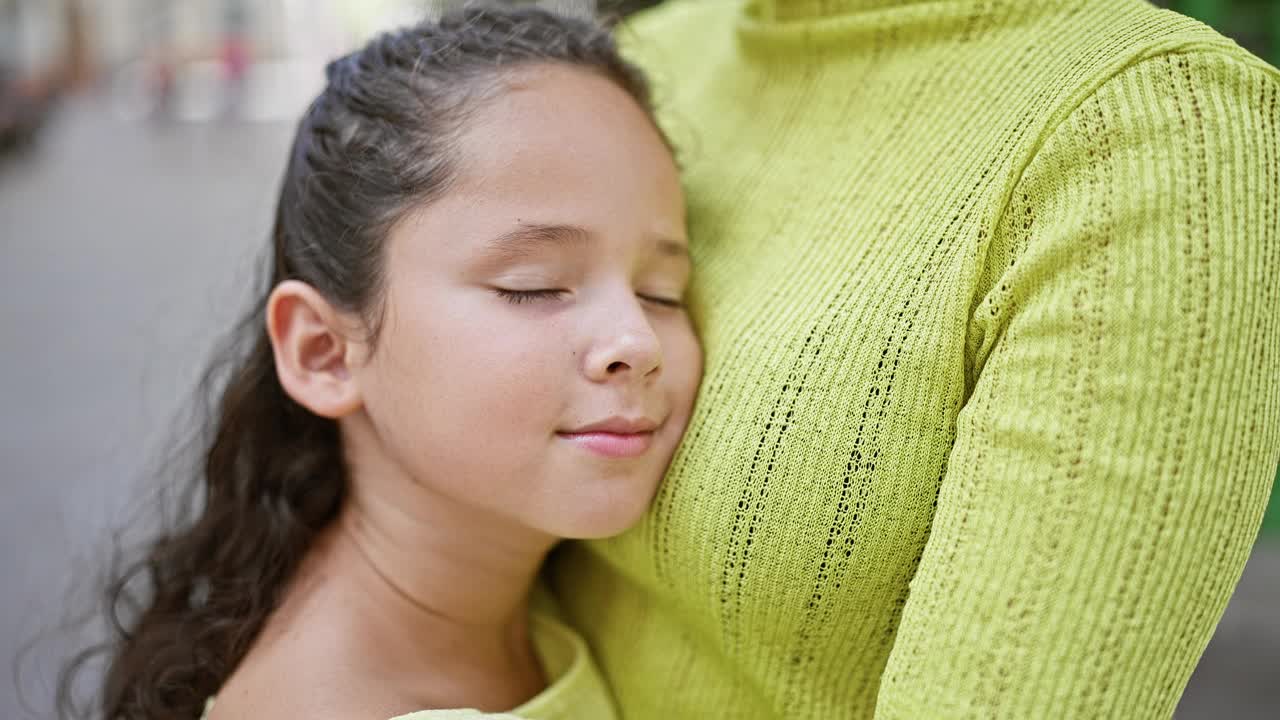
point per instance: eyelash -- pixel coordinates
(518, 297)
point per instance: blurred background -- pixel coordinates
(140, 145)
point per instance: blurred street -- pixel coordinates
(125, 247)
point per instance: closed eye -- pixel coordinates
(664, 302)
(517, 297)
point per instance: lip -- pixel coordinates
(617, 425)
(614, 445)
(615, 437)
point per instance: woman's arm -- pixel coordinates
(1115, 455)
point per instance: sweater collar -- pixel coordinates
(783, 10)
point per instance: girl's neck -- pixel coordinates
(439, 564)
(432, 609)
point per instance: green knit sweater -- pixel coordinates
(990, 296)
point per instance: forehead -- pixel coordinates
(553, 146)
(555, 134)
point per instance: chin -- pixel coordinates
(608, 514)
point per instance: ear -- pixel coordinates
(311, 350)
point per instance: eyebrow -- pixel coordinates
(528, 238)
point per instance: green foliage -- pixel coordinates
(1255, 24)
(1271, 523)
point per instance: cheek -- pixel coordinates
(497, 362)
(475, 384)
(684, 361)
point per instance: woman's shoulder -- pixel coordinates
(662, 33)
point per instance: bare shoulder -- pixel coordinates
(283, 701)
(305, 675)
(276, 697)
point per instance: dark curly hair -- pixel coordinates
(379, 140)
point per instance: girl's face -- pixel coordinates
(534, 362)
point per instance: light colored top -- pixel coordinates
(575, 688)
(990, 296)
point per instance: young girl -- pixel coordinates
(473, 345)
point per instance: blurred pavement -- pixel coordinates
(124, 248)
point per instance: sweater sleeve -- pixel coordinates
(1116, 451)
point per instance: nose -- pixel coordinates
(625, 347)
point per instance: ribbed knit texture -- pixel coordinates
(990, 296)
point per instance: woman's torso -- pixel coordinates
(839, 206)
